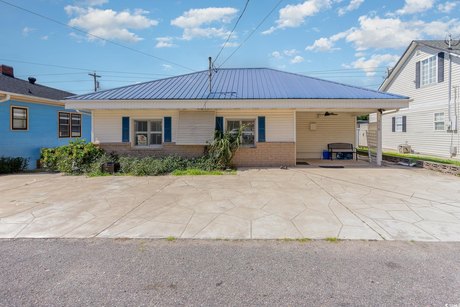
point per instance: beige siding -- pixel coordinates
(427, 100)
(279, 124)
(107, 123)
(195, 127)
(329, 129)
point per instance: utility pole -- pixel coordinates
(96, 83)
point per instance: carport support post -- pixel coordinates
(379, 137)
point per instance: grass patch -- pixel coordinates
(200, 172)
(363, 150)
(170, 238)
(332, 240)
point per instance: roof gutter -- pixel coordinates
(6, 98)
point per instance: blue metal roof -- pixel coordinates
(238, 83)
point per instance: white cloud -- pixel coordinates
(382, 33)
(44, 37)
(166, 67)
(276, 55)
(164, 42)
(326, 44)
(199, 22)
(297, 59)
(27, 30)
(415, 6)
(92, 2)
(290, 52)
(230, 45)
(292, 16)
(353, 5)
(447, 6)
(370, 65)
(108, 23)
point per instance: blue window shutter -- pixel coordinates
(125, 129)
(261, 127)
(167, 123)
(220, 124)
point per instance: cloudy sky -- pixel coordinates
(350, 41)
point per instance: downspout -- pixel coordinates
(7, 97)
(450, 94)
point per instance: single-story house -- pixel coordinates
(32, 116)
(288, 117)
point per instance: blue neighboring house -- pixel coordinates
(32, 117)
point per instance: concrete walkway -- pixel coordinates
(351, 203)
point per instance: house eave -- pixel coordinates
(345, 104)
(32, 99)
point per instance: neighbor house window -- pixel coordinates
(148, 132)
(248, 135)
(439, 121)
(399, 124)
(428, 71)
(69, 125)
(19, 118)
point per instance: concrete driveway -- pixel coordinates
(351, 203)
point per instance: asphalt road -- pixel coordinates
(110, 272)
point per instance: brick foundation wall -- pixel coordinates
(125, 149)
(264, 154)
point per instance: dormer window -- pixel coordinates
(428, 71)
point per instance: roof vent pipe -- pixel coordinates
(32, 80)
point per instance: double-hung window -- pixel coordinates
(148, 132)
(69, 125)
(399, 124)
(19, 118)
(248, 133)
(439, 121)
(428, 71)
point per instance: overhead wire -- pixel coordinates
(252, 32)
(95, 36)
(231, 32)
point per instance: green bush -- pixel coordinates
(77, 157)
(10, 165)
(224, 146)
(152, 166)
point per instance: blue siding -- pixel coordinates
(42, 132)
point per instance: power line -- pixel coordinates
(252, 32)
(230, 35)
(96, 36)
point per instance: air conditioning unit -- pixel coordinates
(404, 148)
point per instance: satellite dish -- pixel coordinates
(451, 42)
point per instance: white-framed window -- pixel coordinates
(399, 124)
(428, 71)
(248, 135)
(148, 132)
(439, 121)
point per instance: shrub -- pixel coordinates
(10, 165)
(77, 157)
(222, 149)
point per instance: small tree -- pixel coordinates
(224, 146)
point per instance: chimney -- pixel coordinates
(32, 80)
(7, 70)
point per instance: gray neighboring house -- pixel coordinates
(429, 73)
